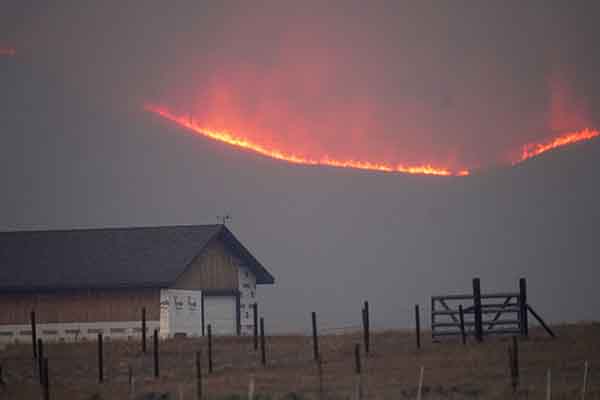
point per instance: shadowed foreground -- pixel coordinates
(451, 371)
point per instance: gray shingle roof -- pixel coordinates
(108, 257)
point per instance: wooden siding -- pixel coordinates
(80, 306)
(215, 269)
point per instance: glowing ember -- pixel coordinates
(7, 52)
(229, 138)
(535, 149)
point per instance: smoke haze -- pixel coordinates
(454, 84)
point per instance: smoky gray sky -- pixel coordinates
(455, 84)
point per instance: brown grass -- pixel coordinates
(452, 371)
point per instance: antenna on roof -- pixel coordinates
(222, 219)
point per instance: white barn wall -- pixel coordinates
(75, 331)
(248, 297)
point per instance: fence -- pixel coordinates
(479, 315)
(314, 366)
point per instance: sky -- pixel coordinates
(451, 84)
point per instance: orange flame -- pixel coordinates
(7, 51)
(229, 138)
(534, 149)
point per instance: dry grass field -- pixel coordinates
(451, 370)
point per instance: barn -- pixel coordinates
(89, 281)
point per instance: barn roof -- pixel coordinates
(109, 257)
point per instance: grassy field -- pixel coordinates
(451, 370)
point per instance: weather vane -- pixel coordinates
(222, 219)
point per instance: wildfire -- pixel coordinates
(7, 51)
(229, 138)
(534, 149)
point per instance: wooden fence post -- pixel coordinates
(513, 364)
(461, 314)
(523, 320)
(511, 368)
(262, 342)
(541, 321)
(315, 336)
(255, 326)
(46, 383)
(367, 327)
(198, 376)
(131, 381)
(420, 387)
(418, 326)
(357, 365)
(40, 353)
(364, 324)
(144, 330)
(585, 379)
(34, 341)
(100, 358)
(358, 371)
(320, 374)
(210, 355)
(251, 388)
(156, 361)
(477, 309)
(549, 384)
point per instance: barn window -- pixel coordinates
(192, 302)
(247, 314)
(178, 304)
(6, 333)
(95, 330)
(50, 332)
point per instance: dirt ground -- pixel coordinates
(390, 371)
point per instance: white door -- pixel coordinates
(220, 313)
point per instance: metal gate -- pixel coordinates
(479, 314)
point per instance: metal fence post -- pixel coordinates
(357, 363)
(156, 361)
(34, 335)
(100, 358)
(367, 327)
(418, 326)
(524, 320)
(210, 355)
(144, 330)
(315, 336)
(198, 375)
(40, 360)
(262, 342)
(46, 383)
(477, 309)
(255, 307)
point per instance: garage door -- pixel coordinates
(220, 313)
